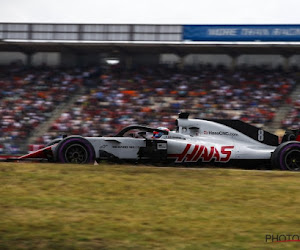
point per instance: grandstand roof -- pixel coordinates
(138, 38)
(180, 48)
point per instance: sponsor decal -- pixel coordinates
(271, 238)
(174, 137)
(219, 133)
(124, 147)
(162, 146)
(206, 154)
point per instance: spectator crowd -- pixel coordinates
(27, 99)
(292, 120)
(154, 97)
(151, 96)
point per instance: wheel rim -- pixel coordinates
(76, 153)
(292, 160)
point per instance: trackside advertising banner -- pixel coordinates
(231, 33)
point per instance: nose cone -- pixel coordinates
(42, 153)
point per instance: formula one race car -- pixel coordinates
(194, 141)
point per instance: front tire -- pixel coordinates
(75, 149)
(287, 156)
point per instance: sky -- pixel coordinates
(152, 11)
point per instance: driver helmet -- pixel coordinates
(157, 134)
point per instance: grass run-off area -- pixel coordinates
(56, 206)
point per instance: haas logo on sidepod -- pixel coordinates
(202, 152)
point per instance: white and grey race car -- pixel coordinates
(194, 141)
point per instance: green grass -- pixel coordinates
(57, 206)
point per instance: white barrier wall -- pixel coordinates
(56, 59)
(7, 58)
(196, 59)
(270, 60)
(49, 59)
(41, 58)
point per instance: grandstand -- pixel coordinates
(55, 78)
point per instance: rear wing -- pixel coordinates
(291, 135)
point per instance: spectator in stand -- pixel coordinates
(150, 96)
(292, 120)
(154, 97)
(29, 96)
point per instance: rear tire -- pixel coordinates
(75, 149)
(287, 156)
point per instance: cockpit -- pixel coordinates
(139, 131)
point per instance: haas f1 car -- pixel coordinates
(194, 141)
